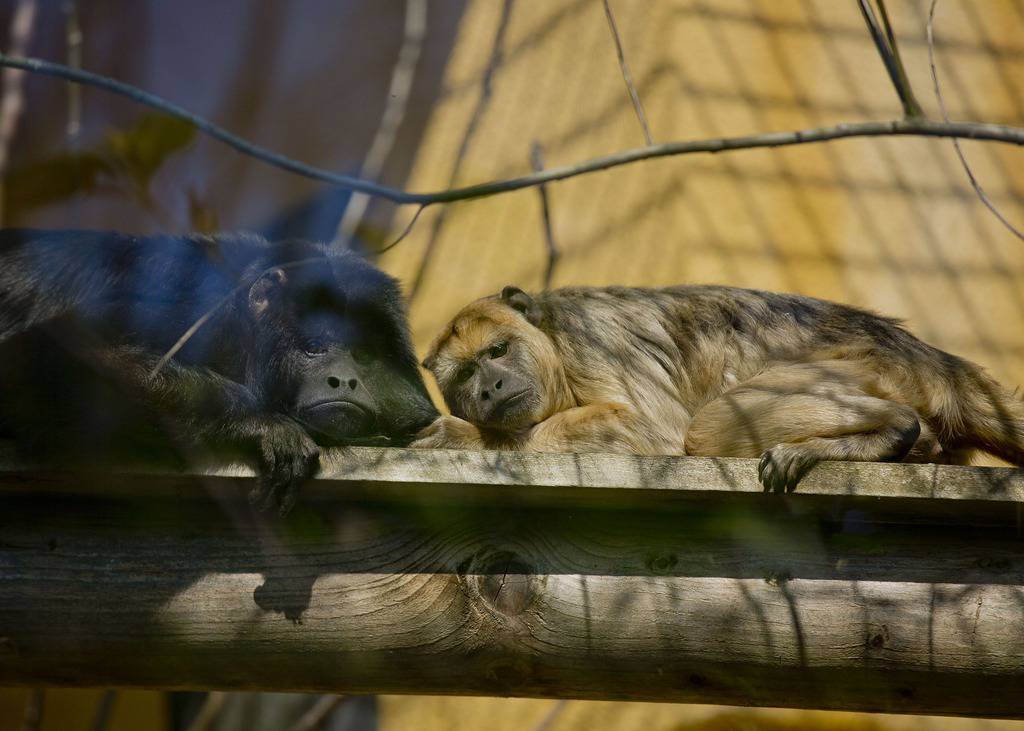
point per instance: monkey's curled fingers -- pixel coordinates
(783, 466)
(449, 432)
(288, 457)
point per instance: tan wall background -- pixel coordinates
(890, 224)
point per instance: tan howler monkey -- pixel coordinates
(713, 371)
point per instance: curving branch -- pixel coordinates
(982, 195)
(405, 232)
(909, 127)
(48, 68)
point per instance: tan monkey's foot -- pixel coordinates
(449, 432)
(784, 465)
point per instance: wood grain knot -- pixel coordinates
(504, 581)
(878, 637)
(661, 564)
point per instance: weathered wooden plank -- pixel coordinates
(363, 589)
(379, 466)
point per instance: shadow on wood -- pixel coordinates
(874, 587)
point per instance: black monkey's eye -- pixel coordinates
(498, 350)
(362, 354)
(465, 373)
(316, 346)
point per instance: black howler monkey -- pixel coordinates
(300, 347)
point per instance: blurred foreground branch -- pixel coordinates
(13, 100)
(399, 91)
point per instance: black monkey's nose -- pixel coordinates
(485, 396)
(335, 382)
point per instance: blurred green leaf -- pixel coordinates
(126, 158)
(143, 148)
(52, 180)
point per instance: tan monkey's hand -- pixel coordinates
(449, 432)
(607, 427)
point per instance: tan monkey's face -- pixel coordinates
(494, 367)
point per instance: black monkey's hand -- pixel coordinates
(288, 456)
(449, 432)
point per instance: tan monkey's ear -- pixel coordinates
(521, 302)
(266, 291)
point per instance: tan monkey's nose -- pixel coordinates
(486, 395)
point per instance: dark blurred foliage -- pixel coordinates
(123, 163)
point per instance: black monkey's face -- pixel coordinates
(333, 333)
(495, 368)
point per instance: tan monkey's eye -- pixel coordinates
(465, 373)
(498, 350)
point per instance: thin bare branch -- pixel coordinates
(626, 75)
(917, 110)
(394, 112)
(73, 40)
(910, 127)
(104, 710)
(32, 718)
(194, 327)
(13, 101)
(537, 160)
(192, 330)
(551, 716)
(885, 42)
(208, 712)
(405, 231)
(317, 715)
(73, 36)
(956, 143)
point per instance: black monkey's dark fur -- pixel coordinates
(300, 355)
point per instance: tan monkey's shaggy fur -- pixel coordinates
(715, 371)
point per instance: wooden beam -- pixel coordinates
(463, 468)
(875, 587)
